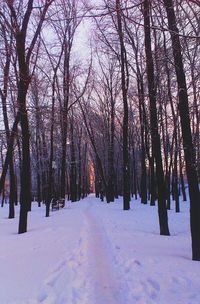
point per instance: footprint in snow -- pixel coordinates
(154, 284)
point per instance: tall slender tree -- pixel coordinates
(124, 84)
(186, 132)
(19, 29)
(155, 137)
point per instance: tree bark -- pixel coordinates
(124, 83)
(186, 132)
(156, 143)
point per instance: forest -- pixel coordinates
(104, 97)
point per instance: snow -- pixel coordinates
(94, 253)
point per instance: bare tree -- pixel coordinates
(186, 132)
(124, 83)
(19, 29)
(162, 210)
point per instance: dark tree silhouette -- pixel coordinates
(186, 132)
(156, 144)
(124, 83)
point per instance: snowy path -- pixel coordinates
(95, 253)
(103, 280)
(89, 275)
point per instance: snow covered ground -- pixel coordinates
(94, 253)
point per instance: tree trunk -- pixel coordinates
(186, 133)
(9, 152)
(110, 195)
(73, 175)
(143, 181)
(124, 83)
(175, 181)
(153, 183)
(181, 170)
(51, 172)
(162, 210)
(26, 170)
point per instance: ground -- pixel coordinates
(94, 253)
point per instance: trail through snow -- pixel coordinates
(93, 275)
(104, 280)
(95, 253)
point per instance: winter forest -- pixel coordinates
(100, 151)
